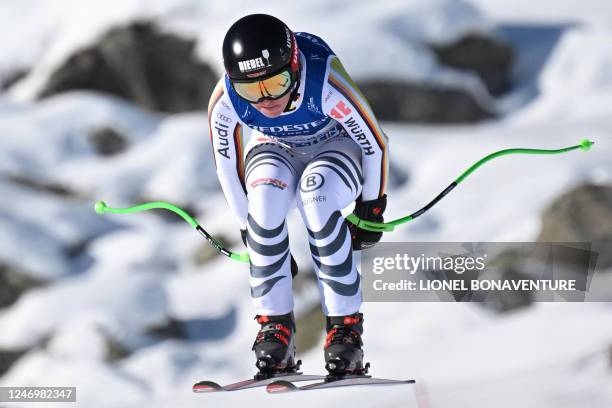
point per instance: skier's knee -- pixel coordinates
(319, 196)
(269, 201)
(316, 187)
(266, 221)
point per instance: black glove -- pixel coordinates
(370, 211)
(294, 267)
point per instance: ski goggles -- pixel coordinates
(271, 88)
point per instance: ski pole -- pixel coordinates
(584, 144)
(101, 207)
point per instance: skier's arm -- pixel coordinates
(343, 101)
(226, 140)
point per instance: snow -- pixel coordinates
(592, 12)
(391, 35)
(93, 380)
(101, 294)
(142, 269)
(47, 260)
(63, 120)
(582, 55)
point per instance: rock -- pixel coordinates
(489, 58)
(172, 329)
(107, 141)
(583, 214)
(42, 185)
(507, 265)
(156, 70)
(8, 358)
(12, 79)
(397, 100)
(84, 339)
(507, 301)
(13, 284)
(197, 329)
(115, 350)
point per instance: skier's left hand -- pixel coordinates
(370, 211)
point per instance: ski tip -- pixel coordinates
(206, 386)
(280, 386)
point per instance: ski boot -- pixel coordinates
(274, 348)
(343, 353)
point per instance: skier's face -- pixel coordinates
(272, 109)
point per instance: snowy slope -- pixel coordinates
(393, 32)
(143, 271)
(592, 12)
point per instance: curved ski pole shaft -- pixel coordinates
(584, 144)
(102, 208)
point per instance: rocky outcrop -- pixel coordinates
(196, 329)
(8, 358)
(583, 214)
(507, 266)
(172, 329)
(42, 185)
(13, 284)
(154, 69)
(158, 70)
(488, 57)
(397, 100)
(107, 141)
(12, 78)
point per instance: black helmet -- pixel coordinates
(259, 47)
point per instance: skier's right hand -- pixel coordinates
(372, 210)
(294, 267)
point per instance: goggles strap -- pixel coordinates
(295, 95)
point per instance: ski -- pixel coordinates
(211, 386)
(286, 385)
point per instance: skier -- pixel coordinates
(316, 144)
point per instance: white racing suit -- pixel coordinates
(321, 166)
